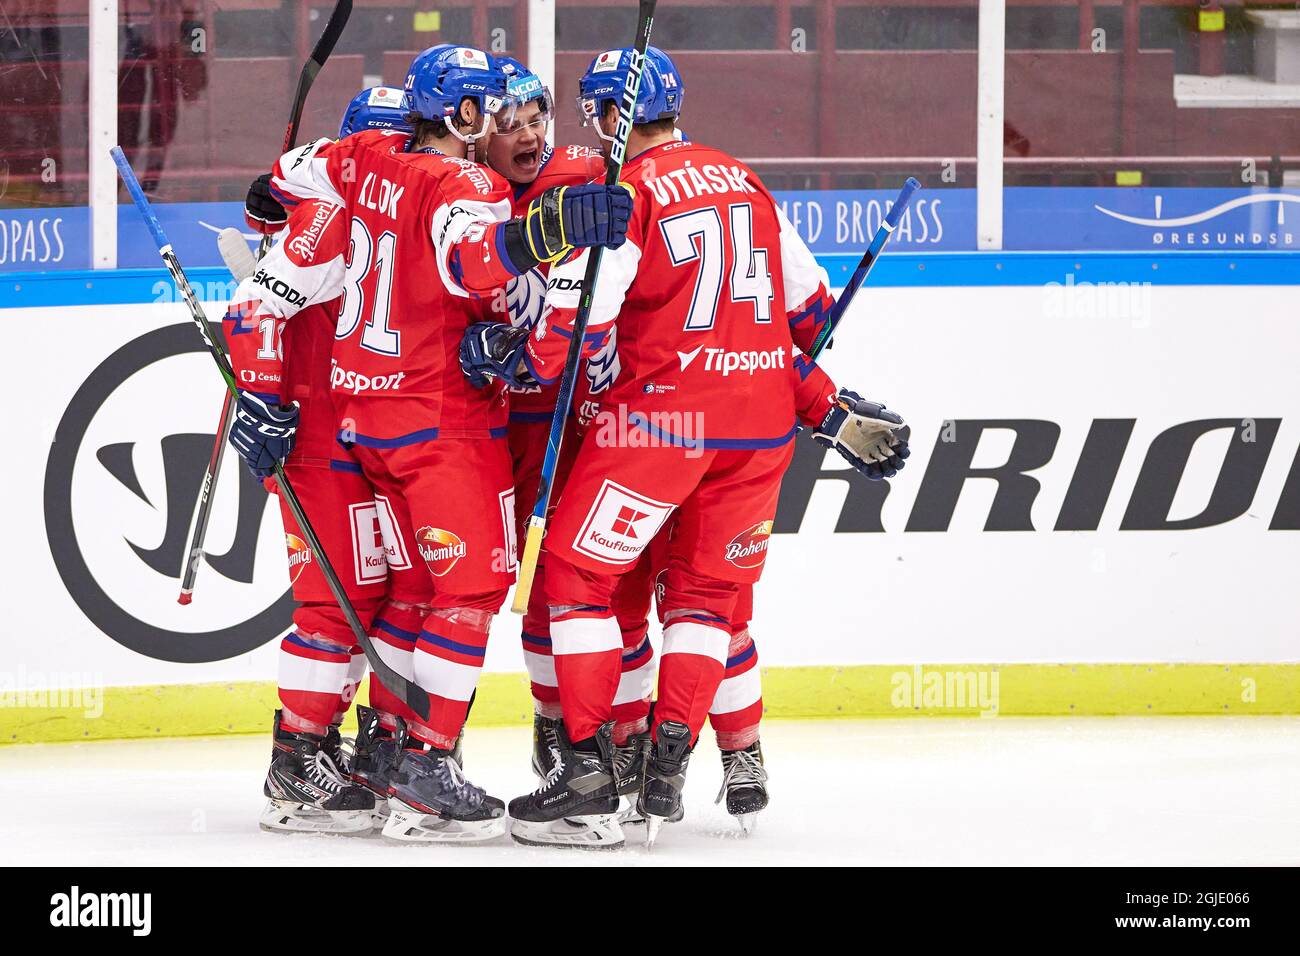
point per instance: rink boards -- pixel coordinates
(1099, 516)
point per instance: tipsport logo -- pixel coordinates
(119, 499)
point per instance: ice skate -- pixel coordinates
(546, 735)
(306, 791)
(576, 805)
(660, 799)
(374, 754)
(430, 801)
(744, 785)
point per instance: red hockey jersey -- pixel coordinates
(712, 292)
(561, 166)
(281, 360)
(426, 253)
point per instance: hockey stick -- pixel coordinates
(319, 54)
(414, 697)
(878, 242)
(239, 260)
(573, 361)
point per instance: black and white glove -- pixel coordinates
(567, 217)
(262, 211)
(494, 350)
(263, 434)
(869, 436)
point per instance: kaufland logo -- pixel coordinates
(1191, 230)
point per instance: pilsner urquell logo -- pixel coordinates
(440, 549)
(299, 555)
(747, 549)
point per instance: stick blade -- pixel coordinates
(528, 564)
(239, 259)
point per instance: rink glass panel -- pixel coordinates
(1130, 123)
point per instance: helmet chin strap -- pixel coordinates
(469, 139)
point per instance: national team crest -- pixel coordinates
(299, 555)
(749, 548)
(440, 549)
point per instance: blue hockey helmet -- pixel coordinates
(379, 107)
(659, 97)
(523, 86)
(444, 75)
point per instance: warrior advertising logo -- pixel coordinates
(749, 548)
(440, 549)
(119, 499)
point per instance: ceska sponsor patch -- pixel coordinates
(749, 548)
(440, 549)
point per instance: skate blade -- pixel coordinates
(628, 812)
(408, 825)
(652, 825)
(286, 816)
(596, 831)
(748, 823)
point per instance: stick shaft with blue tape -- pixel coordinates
(878, 243)
(417, 699)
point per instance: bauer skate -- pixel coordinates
(307, 793)
(430, 801)
(576, 805)
(744, 785)
(667, 756)
(629, 772)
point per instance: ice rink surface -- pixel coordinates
(1119, 791)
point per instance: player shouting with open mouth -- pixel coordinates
(700, 293)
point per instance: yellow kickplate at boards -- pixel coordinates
(866, 690)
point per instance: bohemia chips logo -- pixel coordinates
(749, 548)
(299, 555)
(440, 549)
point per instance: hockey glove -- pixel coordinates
(567, 217)
(494, 350)
(262, 211)
(869, 436)
(262, 433)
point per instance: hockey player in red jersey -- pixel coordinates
(519, 152)
(284, 368)
(431, 239)
(707, 410)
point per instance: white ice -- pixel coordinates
(916, 791)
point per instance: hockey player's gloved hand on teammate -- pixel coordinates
(262, 433)
(869, 436)
(567, 217)
(262, 211)
(492, 350)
